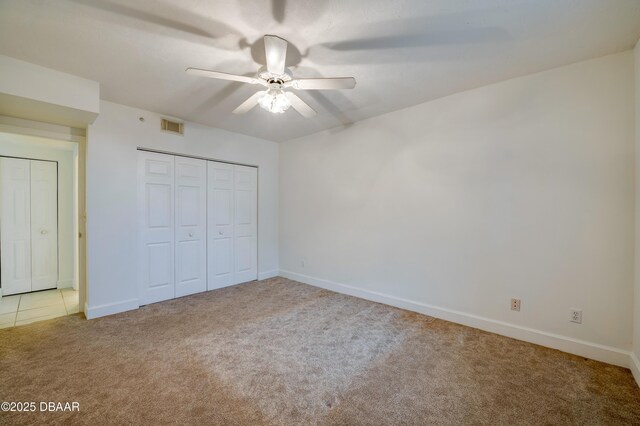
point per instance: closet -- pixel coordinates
(28, 225)
(232, 221)
(198, 225)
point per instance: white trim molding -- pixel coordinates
(608, 354)
(40, 129)
(92, 312)
(634, 365)
(65, 284)
(268, 274)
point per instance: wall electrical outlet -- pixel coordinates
(515, 305)
(576, 316)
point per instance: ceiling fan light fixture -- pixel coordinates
(275, 101)
(275, 76)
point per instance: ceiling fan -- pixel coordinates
(276, 77)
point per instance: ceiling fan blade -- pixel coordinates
(300, 105)
(223, 76)
(249, 103)
(322, 83)
(275, 49)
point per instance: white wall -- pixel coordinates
(37, 93)
(13, 145)
(519, 189)
(635, 367)
(112, 233)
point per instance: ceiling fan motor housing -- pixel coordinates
(264, 74)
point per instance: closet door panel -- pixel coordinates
(191, 226)
(15, 206)
(44, 225)
(246, 224)
(156, 222)
(220, 213)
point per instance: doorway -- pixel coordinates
(39, 229)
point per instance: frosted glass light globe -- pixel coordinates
(275, 101)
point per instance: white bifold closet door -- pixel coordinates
(232, 223)
(246, 224)
(29, 225)
(172, 209)
(191, 226)
(16, 225)
(44, 225)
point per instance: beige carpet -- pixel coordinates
(280, 352)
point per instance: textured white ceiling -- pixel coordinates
(402, 52)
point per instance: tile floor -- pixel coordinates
(25, 308)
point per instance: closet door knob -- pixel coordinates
(191, 234)
(43, 232)
(219, 232)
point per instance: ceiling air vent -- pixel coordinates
(171, 126)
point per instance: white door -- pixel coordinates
(191, 226)
(245, 224)
(15, 199)
(44, 225)
(156, 221)
(220, 207)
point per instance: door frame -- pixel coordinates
(55, 132)
(197, 157)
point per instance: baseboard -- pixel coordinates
(65, 284)
(570, 345)
(92, 312)
(268, 274)
(634, 365)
